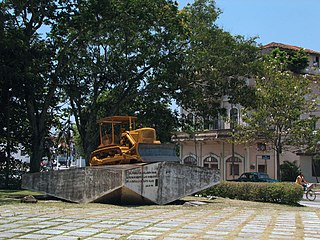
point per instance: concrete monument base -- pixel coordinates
(146, 183)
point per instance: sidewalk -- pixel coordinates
(66, 221)
(307, 203)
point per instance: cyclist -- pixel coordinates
(301, 181)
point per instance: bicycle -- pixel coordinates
(310, 194)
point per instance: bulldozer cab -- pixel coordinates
(111, 128)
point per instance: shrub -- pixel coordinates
(281, 192)
(289, 171)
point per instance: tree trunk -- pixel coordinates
(37, 149)
(278, 147)
(278, 163)
(314, 167)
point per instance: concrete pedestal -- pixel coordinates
(160, 183)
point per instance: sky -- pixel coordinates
(293, 22)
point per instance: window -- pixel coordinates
(236, 159)
(234, 115)
(262, 168)
(315, 168)
(316, 61)
(211, 162)
(211, 123)
(235, 169)
(190, 118)
(261, 146)
(190, 160)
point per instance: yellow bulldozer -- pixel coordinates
(122, 143)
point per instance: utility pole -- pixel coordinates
(232, 149)
(233, 118)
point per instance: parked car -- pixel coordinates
(255, 177)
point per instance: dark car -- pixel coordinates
(255, 177)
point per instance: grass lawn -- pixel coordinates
(14, 197)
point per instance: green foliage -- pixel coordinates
(289, 171)
(215, 63)
(30, 72)
(280, 102)
(285, 193)
(294, 61)
(10, 178)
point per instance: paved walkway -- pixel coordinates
(173, 222)
(307, 203)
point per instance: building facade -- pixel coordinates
(213, 147)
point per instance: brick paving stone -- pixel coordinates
(252, 230)
(96, 238)
(217, 233)
(282, 233)
(108, 235)
(130, 227)
(4, 235)
(64, 220)
(312, 235)
(35, 227)
(278, 237)
(158, 229)
(249, 235)
(122, 231)
(61, 237)
(139, 223)
(50, 231)
(76, 224)
(114, 222)
(173, 238)
(64, 227)
(34, 236)
(88, 221)
(20, 230)
(80, 233)
(198, 226)
(212, 237)
(189, 230)
(103, 226)
(10, 225)
(141, 237)
(150, 233)
(180, 235)
(166, 225)
(40, 219)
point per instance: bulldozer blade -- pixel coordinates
(158, 152)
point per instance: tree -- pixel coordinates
(215, 63)
(307, 142)
(36, 64)
(129, 51)
(283, 107)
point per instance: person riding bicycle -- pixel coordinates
(301, 181)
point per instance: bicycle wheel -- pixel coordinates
(311, 195)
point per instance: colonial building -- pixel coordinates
(212, 147)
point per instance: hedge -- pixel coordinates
(280, 192)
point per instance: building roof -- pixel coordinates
(289, 47)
